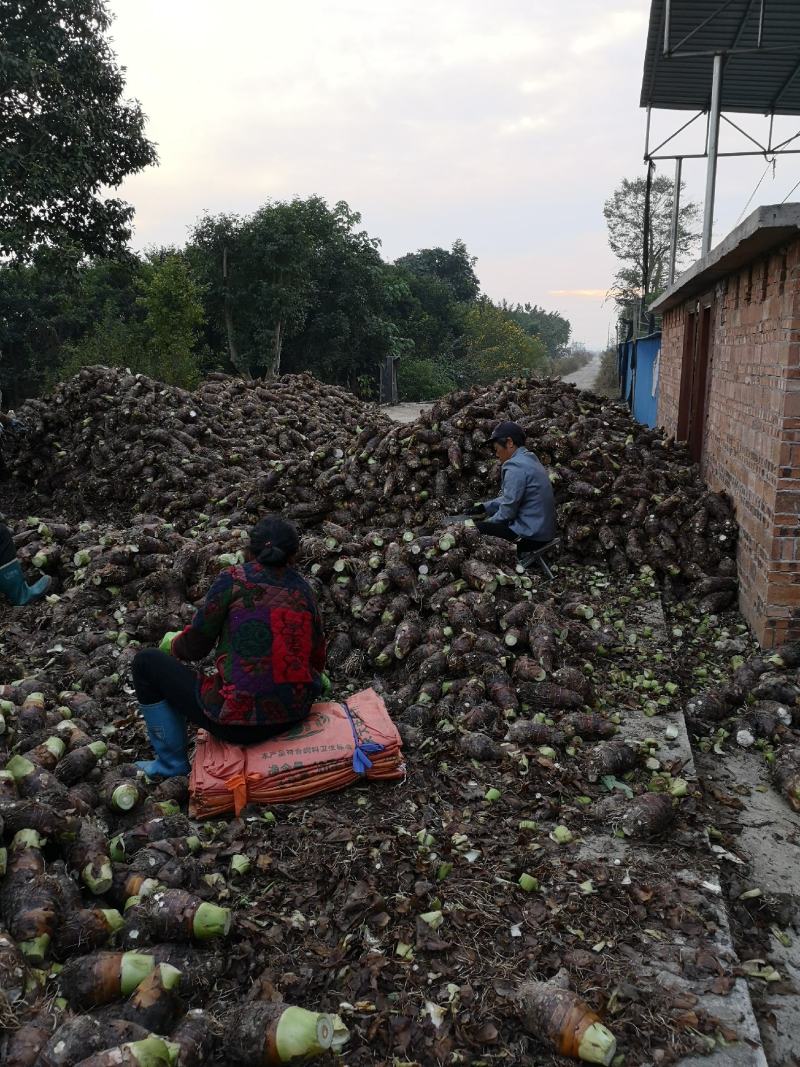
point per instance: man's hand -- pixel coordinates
(166, 641)
(476, 509)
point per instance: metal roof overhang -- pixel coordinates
(760, 40)
(763, 230)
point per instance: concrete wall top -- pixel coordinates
(766, 228)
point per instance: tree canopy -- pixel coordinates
(550, 327)
(65, 131)
(295, 286)
(455, 268)
(497, 347)
(624, 215)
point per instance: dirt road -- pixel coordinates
(584, 378)
(405, 412)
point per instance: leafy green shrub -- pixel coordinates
(423, 379)
(607, 381)
(159, 340)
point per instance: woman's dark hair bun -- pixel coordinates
(273, 541)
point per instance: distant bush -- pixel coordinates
(607, 381)
(423, 379)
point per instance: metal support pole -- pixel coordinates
(713, 148)
(647, 137)
(667, 13)
(676, 208)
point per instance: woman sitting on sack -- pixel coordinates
(270, 653)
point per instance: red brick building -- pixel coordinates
(729, 385)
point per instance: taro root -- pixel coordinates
(130, 841)
(13, 976)
(37, 783)
(126, 883)
(79, 762)
(120, 792)
(648, 816)
(28, 902)
(767, 719)
(154, 1003)
(43, 818)
(30, 909)
(712, 705)
(575, 680)
(591, 727)
(21, 1048)
(564, 1023)
(270, 1034)
(500, 690)
(529, 732)
(478, 746)
(786, 775)
(89, 855)
(150, 1052)
(175, 915)
(85, 930)
(527, 669)
(103, 976)
(47, 754)
(200, 969)
(194, 1039)
(549, 695)
(612, 758)
(80, 1036)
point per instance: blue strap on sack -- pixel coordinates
(362, 749)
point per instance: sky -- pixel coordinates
(505, 124)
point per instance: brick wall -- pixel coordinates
(752, 436)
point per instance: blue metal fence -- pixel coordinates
(638, 376)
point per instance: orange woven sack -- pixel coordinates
(338, 744)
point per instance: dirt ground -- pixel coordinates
(584, 378)
(405, 412)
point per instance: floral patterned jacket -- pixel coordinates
(267, 630)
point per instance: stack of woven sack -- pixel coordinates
(338, 744)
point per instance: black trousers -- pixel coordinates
(502, 529)
(157, 677)
(7, 551)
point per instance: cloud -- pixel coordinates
(525, 124)
(592, 293)
(436, 119)
(610, 29)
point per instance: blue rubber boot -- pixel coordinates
(14, 586)
(167, 732)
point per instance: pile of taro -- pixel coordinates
(412, 912)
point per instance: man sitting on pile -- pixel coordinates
(525, 511)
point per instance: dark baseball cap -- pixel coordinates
(504, 430)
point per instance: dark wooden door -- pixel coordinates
(693, 399)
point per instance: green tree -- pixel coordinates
(456, 268)
(624, 215)
(552, 329)
(65, 131)
(494, 346)
(423, 379)
(40, 308)
(157, 335)
(297, 286)
(173, 316)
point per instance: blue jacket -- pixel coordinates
(526, 498)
